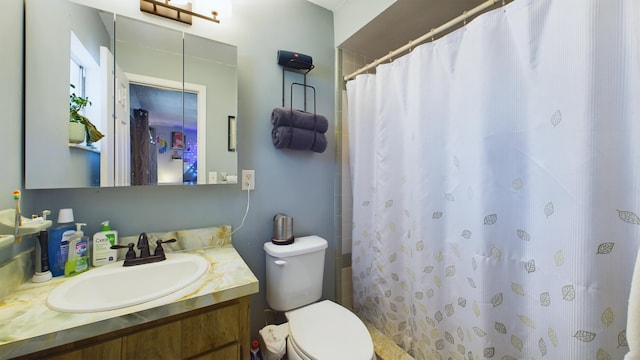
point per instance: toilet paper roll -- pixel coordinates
(273, 339)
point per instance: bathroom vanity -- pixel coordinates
(208, 319)
(215, 332)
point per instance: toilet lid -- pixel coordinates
(326, 330)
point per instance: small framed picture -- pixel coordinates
(232, 133)
(177, 140)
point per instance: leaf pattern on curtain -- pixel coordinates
(495, 179)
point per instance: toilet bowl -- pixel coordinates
(317, 330)
(326, 330)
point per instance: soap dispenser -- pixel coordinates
(58, 246)
(103, 240)
(78, 260)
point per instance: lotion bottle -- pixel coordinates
(102, 243)
(78, 256)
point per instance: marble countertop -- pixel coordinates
(27, 325)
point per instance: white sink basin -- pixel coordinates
(114, 286)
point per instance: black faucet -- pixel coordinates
(143, 245)
(131, 259)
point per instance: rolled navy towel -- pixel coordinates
(298, 139)
(299, 119)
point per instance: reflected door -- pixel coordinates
(122, 122)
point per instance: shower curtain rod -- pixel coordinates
(465, 15)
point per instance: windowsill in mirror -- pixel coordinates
(84, 147)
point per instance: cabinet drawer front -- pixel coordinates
(209, 331)
(226, 353)
(162, 342)
(104, 351)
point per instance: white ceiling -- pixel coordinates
(165, 106)
(329, 4)
(402, 22)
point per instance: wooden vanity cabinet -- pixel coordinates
(217, 332)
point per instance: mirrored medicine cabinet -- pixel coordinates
(163, 99)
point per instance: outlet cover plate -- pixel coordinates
(248, 180)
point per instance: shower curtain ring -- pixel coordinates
(432, 32)
(464, 22)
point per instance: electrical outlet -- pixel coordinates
(248, 179)
(213, 177)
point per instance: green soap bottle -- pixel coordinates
(78, 256)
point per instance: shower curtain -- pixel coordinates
(496, 178)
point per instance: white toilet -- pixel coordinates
(317, 331)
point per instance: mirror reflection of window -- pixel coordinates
(84, 74)
(77, 78)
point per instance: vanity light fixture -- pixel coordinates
(179, 12)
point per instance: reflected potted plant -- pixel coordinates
(80, 127)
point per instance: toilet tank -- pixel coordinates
(295, 272)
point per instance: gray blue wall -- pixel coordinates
(11, 94)
(300, 184)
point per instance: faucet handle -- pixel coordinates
(131, 254)
(159, 249)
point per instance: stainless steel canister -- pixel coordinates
(282, 229)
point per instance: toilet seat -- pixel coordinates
(328, 331)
